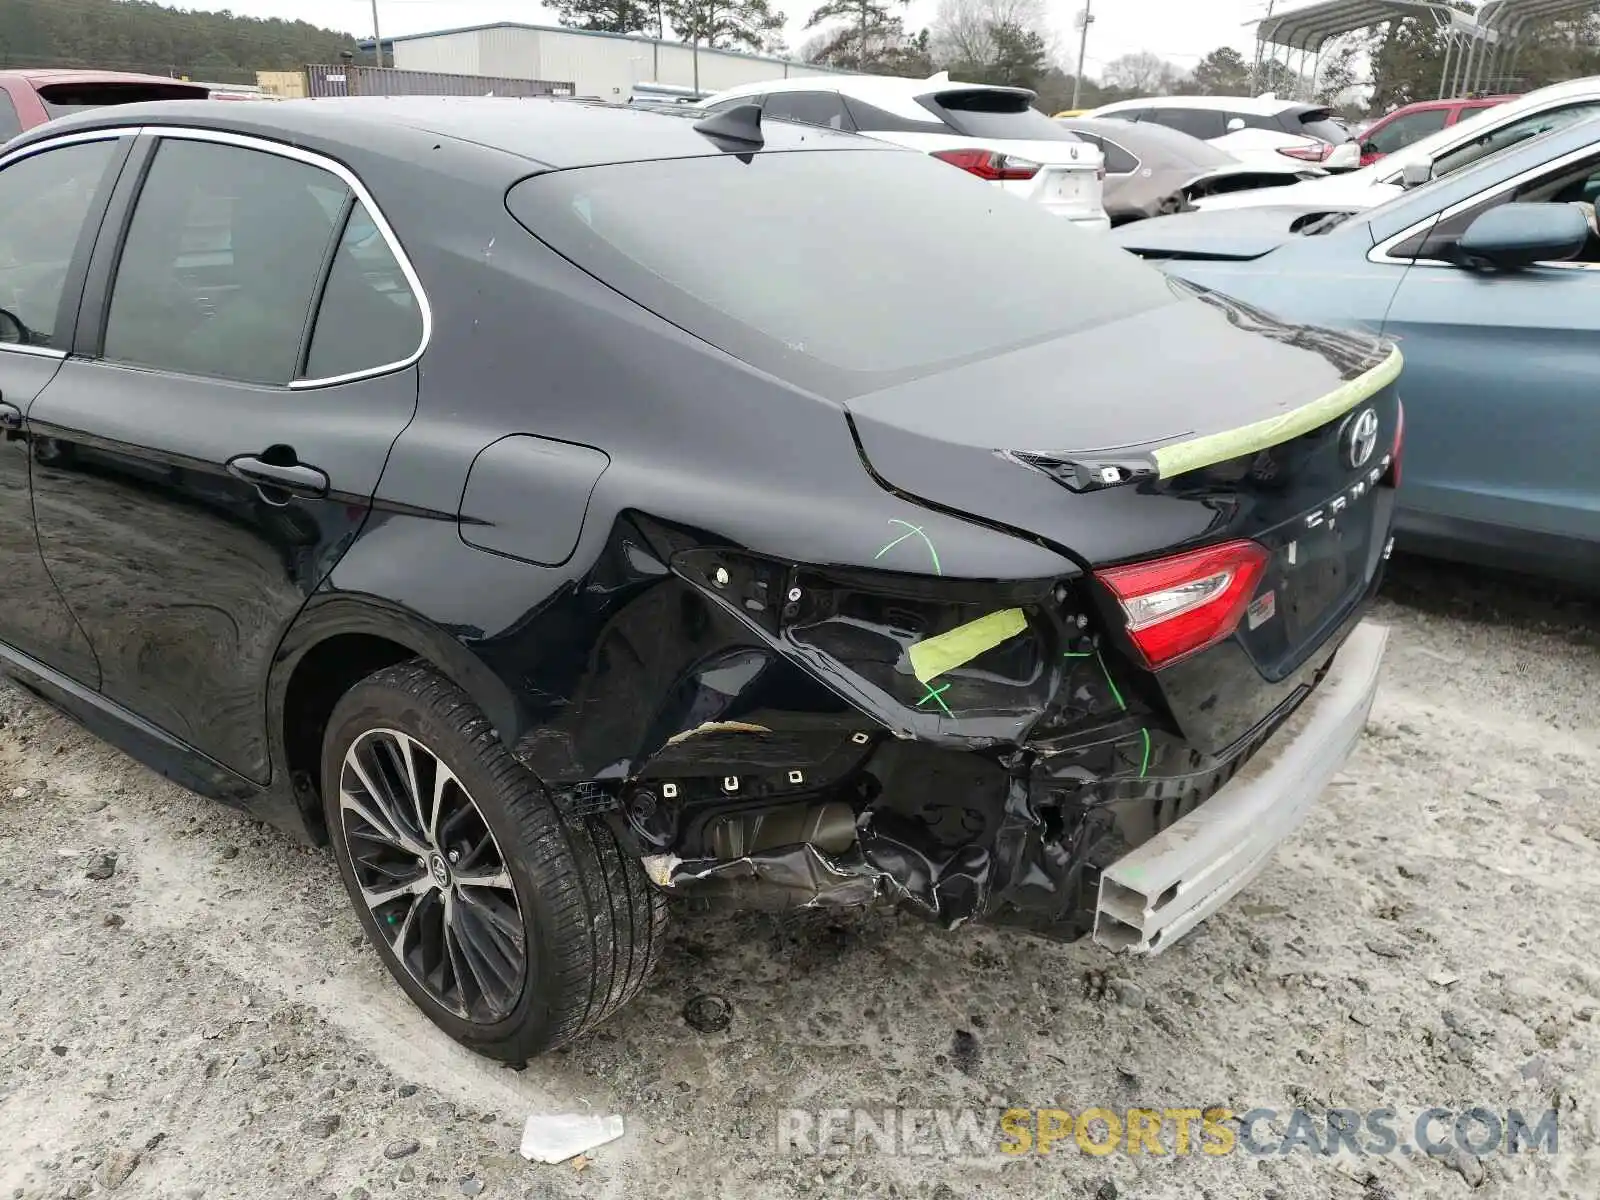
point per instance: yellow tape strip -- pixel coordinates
(934, 656)
(1247, 439)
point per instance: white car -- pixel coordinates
(1450, 149)
(993, 132)
(1249, 128)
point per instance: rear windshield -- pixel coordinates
(813, 266)
(980, 112)
(1319, 123)
(62, 98)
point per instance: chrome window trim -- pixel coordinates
(39, 147)
(1380, 252)
(35, 351)
(349, 179)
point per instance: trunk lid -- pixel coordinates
(1265, 450)
(1228, 234)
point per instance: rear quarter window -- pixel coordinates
(823, 275)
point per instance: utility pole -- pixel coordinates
(1255, 67)
(1083, 21)
(377, 34)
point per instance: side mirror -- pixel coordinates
(1235, 124)
(1369, 148)
(1415, 174)
(12, 330)
(1513, 236)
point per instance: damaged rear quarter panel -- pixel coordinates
(638, 690)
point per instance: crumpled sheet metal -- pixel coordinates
(1028, 872)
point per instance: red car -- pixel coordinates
(32, 97)
(1413, 122)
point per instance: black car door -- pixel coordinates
(244, 360)
(51, 199)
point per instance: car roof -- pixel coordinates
(545, 131)
(1456, 102)
(1265, 105)
(43, 75)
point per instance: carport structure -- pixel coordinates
(1502, 23)
(1304, 32)
(1478, 48)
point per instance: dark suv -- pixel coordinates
(557, 507)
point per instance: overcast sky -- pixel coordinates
(1179, 30)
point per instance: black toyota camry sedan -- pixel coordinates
(556, 508)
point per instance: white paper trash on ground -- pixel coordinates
(556, 1137)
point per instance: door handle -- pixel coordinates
(295, 478)
(10, 417)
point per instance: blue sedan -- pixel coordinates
(1489, 278)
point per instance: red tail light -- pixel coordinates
(1399, 443)
(1180, 605)
(989, 164)
(1307, 153)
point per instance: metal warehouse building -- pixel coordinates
(606, 65)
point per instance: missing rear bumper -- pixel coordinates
(1152, 896)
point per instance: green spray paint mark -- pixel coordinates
(1078, 654)
(1112, 683)
(936, 693)
(911, 531)
(1144, 766)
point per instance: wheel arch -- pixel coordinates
(337, 642)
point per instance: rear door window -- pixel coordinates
(59, 99)
(1203, 123)
(45, 200)
(808, 108)
(824, 275)
(994, 113)
(1403, 130)
(222, 263)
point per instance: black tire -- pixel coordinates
(591, 922)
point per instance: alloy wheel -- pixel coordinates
(432, 875)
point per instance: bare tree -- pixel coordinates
(1142, 73)
(962, 30)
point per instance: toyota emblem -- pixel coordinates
(1361, 438)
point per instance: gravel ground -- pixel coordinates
(187, 1008)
